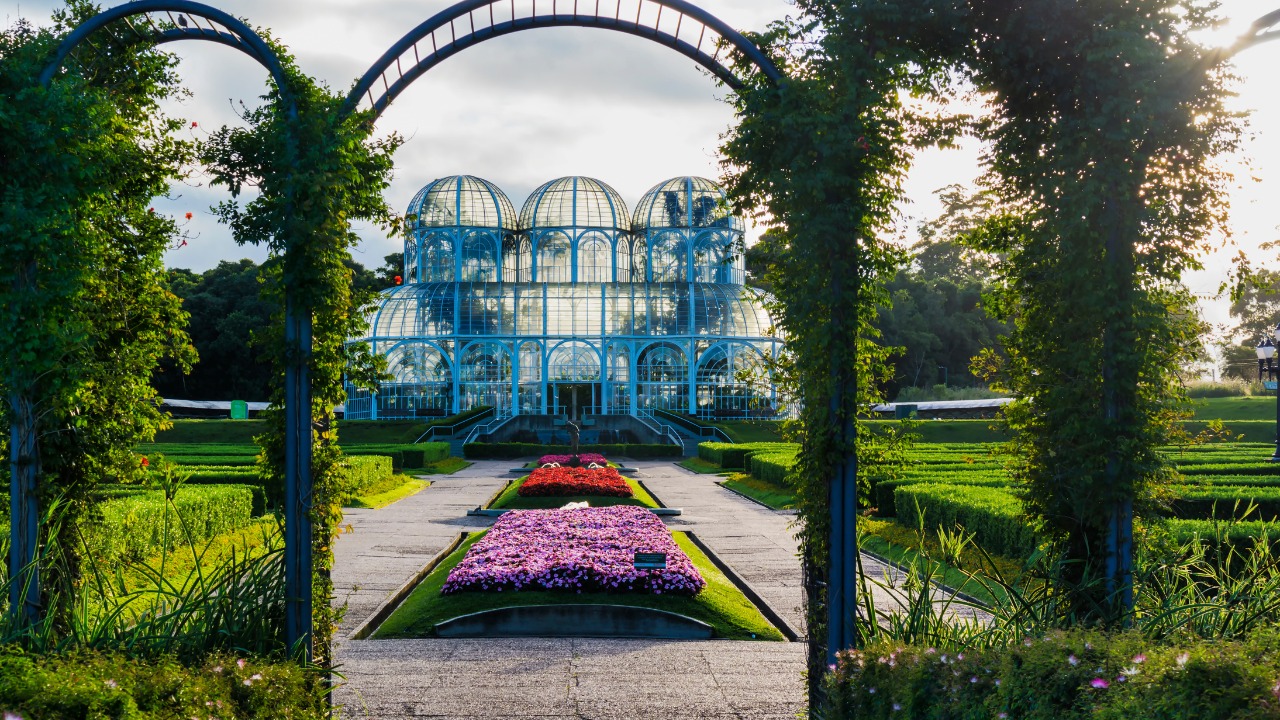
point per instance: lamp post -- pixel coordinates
(1268, 364)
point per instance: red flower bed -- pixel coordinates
(567, 481)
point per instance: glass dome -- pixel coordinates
(685, 202)
(460, 201)
(575, 202)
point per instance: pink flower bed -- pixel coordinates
(585, 458)
(584, 550)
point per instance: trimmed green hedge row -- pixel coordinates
(772, 467)
(993, 515)
(734, 455)
(404, 456)
(1221, 468)
(132, 527)
(511, 451)
(1225, 501)
(365, 472)
(886, 497)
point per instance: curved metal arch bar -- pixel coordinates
(593, 18)
(237, 35)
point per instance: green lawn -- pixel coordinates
(411, 486)
(778, 497)
(746, 431)
(698, 465)
(1236, 408)
(720, 604)
(447, 466)
(511, 500)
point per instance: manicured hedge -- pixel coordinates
(1225, 501)
(510, 451)
(365, 472)
(993, 515)
(97, 685)
(884, 492)
(771, 467)
(403, 456)
(734, 455)
(1066, 676)
(132, 528)
(1226, 468)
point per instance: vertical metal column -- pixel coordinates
(24, 513)
(297, 476)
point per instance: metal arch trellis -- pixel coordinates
(680, 25)
(166, 21)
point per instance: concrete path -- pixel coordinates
(569, 678)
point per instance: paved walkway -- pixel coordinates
(568, 678)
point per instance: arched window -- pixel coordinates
(622, 269)
(421, 384)
(479, 258)
(555, 259)
(669, 254)
(733, 381)
(662, 379)
(639, 260)
(410, 270)
(437, 257)
(594, 261)
(485, 374)
(573, 362)
(712, 260)
(530, 378)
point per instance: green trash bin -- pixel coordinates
(239, 410)
(904, 412)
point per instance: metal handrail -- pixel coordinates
(646, 418)
(701, 430)
(431, 431)
(489, 427)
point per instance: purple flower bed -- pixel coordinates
(585, 550)
(584, 458)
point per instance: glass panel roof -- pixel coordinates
(684, 202)
(577, 202)
(460, 201)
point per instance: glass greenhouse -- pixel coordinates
(572, 306)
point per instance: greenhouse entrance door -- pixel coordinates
(575, 400)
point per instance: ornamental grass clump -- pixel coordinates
(570, 481)
(582, 550)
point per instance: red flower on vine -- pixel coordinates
(189, 216)
(194, 124)
(145, 462)
(399, 280)
(862, 143)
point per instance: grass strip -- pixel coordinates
(447, 466)
(511, 500)
(700, 466)
(720, 604)
(776, 497)
(380, 500)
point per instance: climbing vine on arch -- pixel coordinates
(315, 174)
(1106, 121)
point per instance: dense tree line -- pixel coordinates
(227, 309)
(936, 322)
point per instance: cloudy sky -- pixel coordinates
(532, 106)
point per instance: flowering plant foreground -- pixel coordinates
(569, 481)
(583, 550)
(1066, 676)
(584, 458)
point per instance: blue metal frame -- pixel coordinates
(627, 317)
(580, 14)
(227, 30)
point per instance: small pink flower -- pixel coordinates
(218, 669)
(111, 684)
(1002, 715)
(896, 707)
(256, 676)
(1183, 658)
(241, 663)
(1100, 683)
(1073, 660)
(248, 682)
(973, 679)
(1139, 658)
